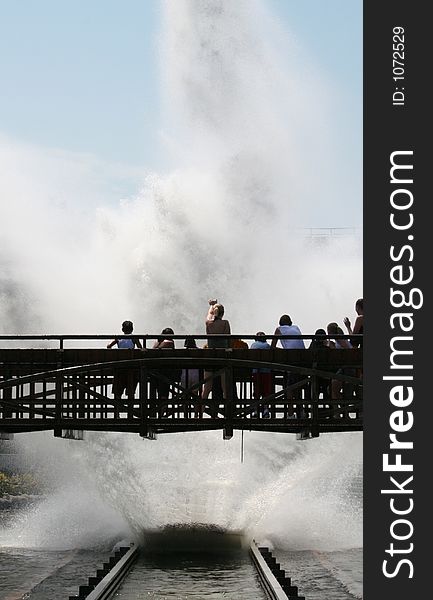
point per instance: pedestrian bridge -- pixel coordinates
(70, 390)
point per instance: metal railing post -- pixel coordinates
(59, 401)
(314, 405)
(228, 411)
(144, 399)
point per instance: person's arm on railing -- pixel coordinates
(138, 343)
(275, 341)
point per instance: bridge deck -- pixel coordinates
(72, 389)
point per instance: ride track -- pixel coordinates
(102, 586)
(70, 390)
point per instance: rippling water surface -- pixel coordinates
(31, 574)
(334, 576)
(193, 576)
(37, 575)
(45, 575)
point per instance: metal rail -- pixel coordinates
(273, 579)
(62, 338)
(108, 579)
(103, 586)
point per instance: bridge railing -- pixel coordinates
(134, 390)
(29, 340)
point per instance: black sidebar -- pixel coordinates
(398, 324)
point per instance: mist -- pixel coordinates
(251, 163)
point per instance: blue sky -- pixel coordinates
(83, 76)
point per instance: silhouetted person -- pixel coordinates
(358, 327)
(215, 324)
(125, 380)
(286, 327)
(262, 378)
(339, 344)
(170, 374)
(239, 345)
(163, 342)
(317, 343)
(190, 377)
(129, 343)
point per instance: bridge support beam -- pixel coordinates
(72, 434)
(228, 427)
(228, 432)
(75, 392)
(148, 433)
(314, 405)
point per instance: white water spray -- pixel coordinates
(246, 143)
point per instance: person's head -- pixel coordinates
(285, 320)
(359, 306)
(190, 342)
(318, 341)
(127, 327)
(218, 311)
(167, 331)
(260, 336)
(332, 328)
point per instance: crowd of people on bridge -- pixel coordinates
(218, 326)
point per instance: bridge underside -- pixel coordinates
(153, 392)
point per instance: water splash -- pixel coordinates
(249, 156)
(287, 493)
